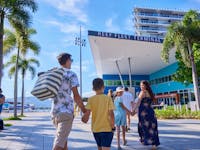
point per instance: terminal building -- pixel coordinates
(125, 60)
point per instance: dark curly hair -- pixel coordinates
(148, 88)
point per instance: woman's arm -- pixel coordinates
(141, 95)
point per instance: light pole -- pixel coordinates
(81, 43)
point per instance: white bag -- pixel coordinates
(48, 84)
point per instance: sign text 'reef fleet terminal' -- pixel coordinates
(125, 36)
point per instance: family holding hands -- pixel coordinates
(107, 116)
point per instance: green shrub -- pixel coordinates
(12, 118)
(170, 113)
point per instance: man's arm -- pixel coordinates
(112, 119)
(86, 116)
(78, 99)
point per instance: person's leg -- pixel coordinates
(129, 121)
(124, 135)
(63, 123)
(105, 148)
(58, 148)
(118, 136)
(66, 147)
(100, 148)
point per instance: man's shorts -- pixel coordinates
(103, 139)
(63, 123)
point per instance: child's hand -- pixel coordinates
(133, 113)
(84, 119)
(86, 116)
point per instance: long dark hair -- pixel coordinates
(148, 88)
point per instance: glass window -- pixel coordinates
(137, 83)
(110, 82)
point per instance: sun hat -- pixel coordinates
(119, 89)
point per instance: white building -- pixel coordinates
(154, 22)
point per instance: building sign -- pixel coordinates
(125, 36)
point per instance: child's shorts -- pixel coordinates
(103, 139)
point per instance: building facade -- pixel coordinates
(154, 22)
(125, 60)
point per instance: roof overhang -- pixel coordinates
(145, 53)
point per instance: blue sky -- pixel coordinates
(58, 21)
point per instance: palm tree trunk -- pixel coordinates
(1, 44)
(15, 84)
(22, 110)
(194, 76)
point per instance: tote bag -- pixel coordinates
(48, 84)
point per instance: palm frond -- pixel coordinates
(11, 71)
(32, 70)
(9, 41)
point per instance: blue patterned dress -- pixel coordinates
(147, 126)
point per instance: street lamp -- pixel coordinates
(81, 43)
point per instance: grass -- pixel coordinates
(7, 124)
(170, 113)
(21, 116)
(12, 118)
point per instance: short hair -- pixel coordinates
(126, 88)
(63, 57)
(97, 84)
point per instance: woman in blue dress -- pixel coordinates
(147, 125)
(120, 116)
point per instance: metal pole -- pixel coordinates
(120, 76)
(129, 62)
(80, 64)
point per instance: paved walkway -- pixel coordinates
(35, 132)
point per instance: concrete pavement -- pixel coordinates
(36, 132)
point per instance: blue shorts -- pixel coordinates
(103, 139)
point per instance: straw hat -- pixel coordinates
(119, 89)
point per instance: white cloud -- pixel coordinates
(93, 75)
(129, 24)
(88, 94)
(111, 26)
(71, 8)
(85, 66)
(198, 1)
(64, 27)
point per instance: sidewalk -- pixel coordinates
(35, 132)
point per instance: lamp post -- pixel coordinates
(81, 43)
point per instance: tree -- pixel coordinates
(24, 65)
(183, 73)
(19, 39)
(183, 36)
(17, 13)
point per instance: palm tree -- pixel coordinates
(183, 36)
(19, 39)
(24, 65)
(17, 13)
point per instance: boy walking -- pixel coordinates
(101, 107)
(62, 110)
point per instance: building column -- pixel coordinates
(120, 75)
(129, 62)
